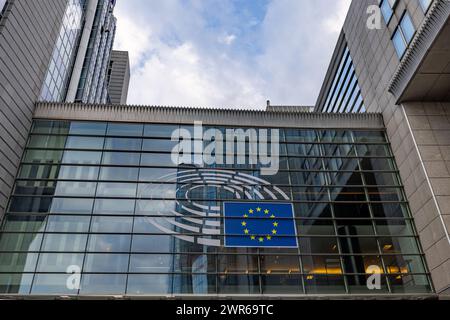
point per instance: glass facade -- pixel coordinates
(403, 35)
(344, 95)
(107, 198)
(92, 87)
(60, 68)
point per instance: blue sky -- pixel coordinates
(228, 53)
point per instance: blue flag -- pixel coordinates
(260, 225)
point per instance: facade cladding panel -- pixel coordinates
(28, 30)
(93, 84)
(106, 196)
(418, 128)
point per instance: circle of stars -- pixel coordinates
(260, 238)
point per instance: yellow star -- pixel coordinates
(251, 211)
(261, 239)
(258, 209)
(253, 237)
(275, 224)
(272, 216)
(245, 215)
(269, 237)
(246, 231)
(274, 231)
(266, 211)
(244, 223)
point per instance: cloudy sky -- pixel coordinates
(228, 53)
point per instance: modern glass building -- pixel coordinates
(105, 197)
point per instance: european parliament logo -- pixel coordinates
(259, 225)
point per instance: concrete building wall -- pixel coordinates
(28, 30)
(119, 77)
(419, 133)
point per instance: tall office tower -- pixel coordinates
(119, 77)
(49, 50)
(402, 70)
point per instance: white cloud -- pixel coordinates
(179, 59)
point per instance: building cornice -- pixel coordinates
(159, 114)
(435, 20)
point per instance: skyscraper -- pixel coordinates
(51, 50)
(402, 69)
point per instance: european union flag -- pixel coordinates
(259, 224)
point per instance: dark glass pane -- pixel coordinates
(43, 156)
(38, 172)
(316, 210)
(394, 227)
(377, 164)
(238, 284)
(409, 283)
(28, 204)
(281, 284)
(323, 284)
(307, 178)
(50, 127)
(111, 225)
(372, 150)
(390, 245)
(347, 194)
(47, 142)
(318, 245)
(381, 178)
(20, 241)
(15, 283)
(18, 262)
(238, 263)
(315, 227)
(351, 210)
(369, 136)
(336, 136)
(354, 245)
(385, 194)
(279, 264)
(404, 264)
(389, 210)
(354, 227)
(345, 178)
(310, 194)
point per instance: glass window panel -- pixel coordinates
(358, 284)
(403, 245)
(59, 262)
(123, 144)
(152, 244)
(20, 241)
(124, 129)
(404, 264)
(318, 245)
(47, 142)
(369, 136)
(389, 210)
(64, 242)
(101, 284)
(385, 194)
(50, 127)
(88, 128)
(68, 223)
(381, 179)
(74, 189)
(18, 262)
(43, 156)
(238, 263)
(77, 206)
(106, 263)
(34, 188)
(109, 243)
(92, 143)
(354, 227)
(155, 191)
(351, 210)
(38, 172)
(306, 178)
(425, 4)
(346, 194)
(281, 284)
(157, 174)
(354, 245)
(159, 130)
(372, 150)
(335, 136)
(238, 284)
(312, 210)
(386, 10)
(111, 224)
(406, 283)
(341, 164)
(150, 263)
(399, 43)
(310, 194)
(157, 159)
(322, 265)
(121, 158)
(51, 284)
(294, 135)
(305, 164)
(150, 284)
(15, 283)
(119, 174)
(315, 227)
(114, 206)
(345, 178)
(394, 227)
(279, 264)
(159, 145)
(116, 190)
(82, 157)
(78, 173)
(28, 204)
(407, 27)
(24, 223)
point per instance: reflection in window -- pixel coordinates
(114, 207)
(101, 284)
